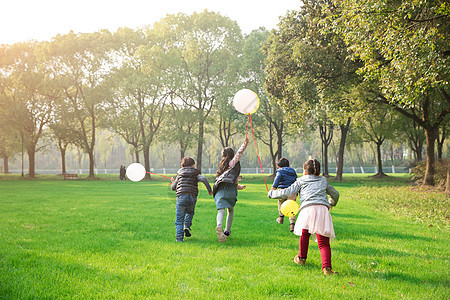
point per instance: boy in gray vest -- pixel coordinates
(186, 186)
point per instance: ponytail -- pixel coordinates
(312, 167)
(227, 156)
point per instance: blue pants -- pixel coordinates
(185, 213)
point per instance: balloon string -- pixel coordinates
(262, 171)
(157, 174)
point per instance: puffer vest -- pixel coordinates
(229, 176)
(187, 181)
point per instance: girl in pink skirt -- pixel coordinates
(314, 217)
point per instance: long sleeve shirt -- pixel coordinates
(311, 189)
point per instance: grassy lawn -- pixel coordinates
(109, 239)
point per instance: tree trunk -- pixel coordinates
(326, 135)
(340, 165)
(431, 135)
(440, 143)
(91, 163)
(200, 144)
(280, 143)
(146, 153)
(323, 134)
(91, 148)
(273, 156)
(31, 163)
(419, 151)
(5, 164)
(136, 154)
(379, 161)
(325, 159)
(182, 153)
(63, 160)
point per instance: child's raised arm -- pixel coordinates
(238, 154)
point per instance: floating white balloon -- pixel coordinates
(246, 101)
(135, 172)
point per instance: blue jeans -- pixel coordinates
(185, 213)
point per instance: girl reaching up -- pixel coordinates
(225, 188)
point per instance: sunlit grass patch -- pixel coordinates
(116, 239)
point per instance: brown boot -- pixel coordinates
(291, 227)
(328, 271)
(299, 261)
(220, 235)
(280, 220)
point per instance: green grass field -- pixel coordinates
(109, 239)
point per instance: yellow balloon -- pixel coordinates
(289, 208)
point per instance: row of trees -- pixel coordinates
(321, 69)
(158, 84)
(362, 63)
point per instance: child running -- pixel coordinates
(284, 178)
(186, 185)
(314, 217)
(225, 188)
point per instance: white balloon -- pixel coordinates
(135, 172)
(246, 101)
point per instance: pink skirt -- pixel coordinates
(317, 219)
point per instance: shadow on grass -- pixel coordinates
(360, 229)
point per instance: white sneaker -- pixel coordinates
(220, 235)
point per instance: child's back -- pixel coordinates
(187, 181)
(284, 177)
(186, 186)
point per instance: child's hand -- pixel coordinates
(172, 179)
(210, 193)
(241, 187)
(273, 189)
(246, 140)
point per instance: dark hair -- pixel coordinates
(187, 162)
(227, 156)
(312, 167)
(283, 162)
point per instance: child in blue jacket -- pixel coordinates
(285, 176)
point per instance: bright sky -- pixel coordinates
(23, 20)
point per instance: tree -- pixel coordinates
(63, 139)
(308, 71)
(138, 92)
(8, 135)
(414, 135)
(326, 135)
(406, 52)
(444, 133)
(379, 127)
(202, 47)
(79, 64)
(26, 86)
(180, 128)
(270, 113)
